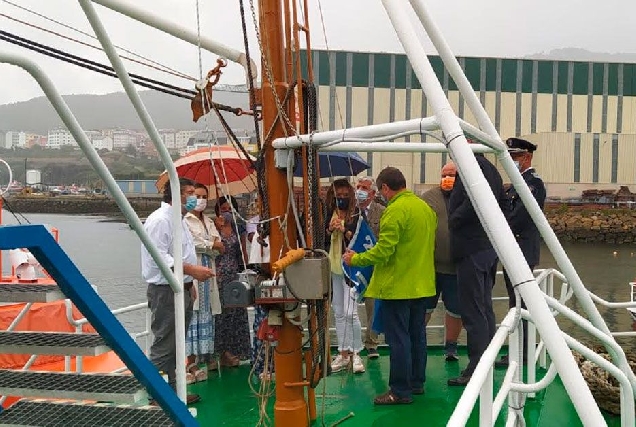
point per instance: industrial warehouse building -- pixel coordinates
(581, 114)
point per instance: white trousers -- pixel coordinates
(345, 309)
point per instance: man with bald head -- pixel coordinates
(445, 270)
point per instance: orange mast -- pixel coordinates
(290, 409)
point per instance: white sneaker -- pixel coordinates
(339, 363)
(358, 366)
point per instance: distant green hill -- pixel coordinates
(114, 110)
(68, 166)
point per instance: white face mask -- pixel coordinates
(201, 205)
(517, 164)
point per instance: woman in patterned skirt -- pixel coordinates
(200, 336)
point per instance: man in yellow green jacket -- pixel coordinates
(403, 278)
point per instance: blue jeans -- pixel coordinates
(403, 322)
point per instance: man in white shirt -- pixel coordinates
(160, 296)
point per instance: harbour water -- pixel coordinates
(107, 253)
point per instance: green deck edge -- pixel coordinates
(228, 401)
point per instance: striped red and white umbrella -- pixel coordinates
(223, 168)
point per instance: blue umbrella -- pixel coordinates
(336, 164)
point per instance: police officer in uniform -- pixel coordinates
(522, 226)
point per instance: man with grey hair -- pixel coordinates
(372, 211)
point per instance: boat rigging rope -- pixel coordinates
(207, 105)
(264, 228)
(158, 68)
(155, 64)
(92, 65)
(332, 67)
(107, 70)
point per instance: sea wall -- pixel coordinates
(84, 205)
(593, 224)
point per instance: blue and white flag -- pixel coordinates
(362, 241)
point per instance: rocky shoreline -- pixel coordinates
(79, 205)
(591, 223)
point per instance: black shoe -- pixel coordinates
(417, 390)
(459, 381)
(502, 363)
(452, 357)
(372, 353)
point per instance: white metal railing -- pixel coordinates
(175, 275)
(79, 323)
(23, 312)
(481, 384)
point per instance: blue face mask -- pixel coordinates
(362, 196)
(191, 202)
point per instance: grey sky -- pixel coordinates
(509, 28)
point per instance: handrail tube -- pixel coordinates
(455, 70)
(624, 334)
(20, 315)
(350, 135)
(608, 341)
(599, 300)
(122, 310)
(549, 237)
(73, 126)
(26, 367)
(506, 386)
(182, 33)
(485, 139)
(485, 401)
(549, 376)
(402, 147)
(627, 394)
(467, 401)
(511, 420)
(149, 329)
(531, 356)
(369, 131)
(515, 348)
(175, 279)
(79, 360)
(490, 214)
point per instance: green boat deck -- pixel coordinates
(228, 401)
